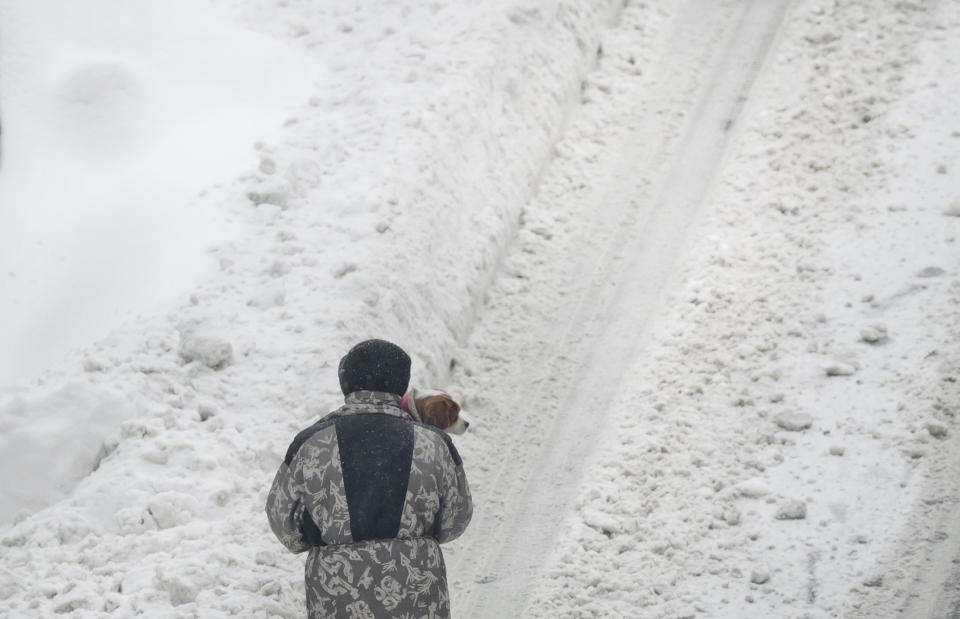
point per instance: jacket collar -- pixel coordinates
(374, 401)
(409, 405)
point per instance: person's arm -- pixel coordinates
(456, 505)
(288, 516)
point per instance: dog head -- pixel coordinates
(442, 411)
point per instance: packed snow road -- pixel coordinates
(594, 254)
(733, 452)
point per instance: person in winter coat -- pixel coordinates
(371, 495)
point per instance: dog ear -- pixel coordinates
(440, 411)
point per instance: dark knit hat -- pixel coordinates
(375, 365)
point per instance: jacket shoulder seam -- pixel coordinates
(303, 436)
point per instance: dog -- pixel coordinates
(436, 408)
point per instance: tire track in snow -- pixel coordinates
(593, 257)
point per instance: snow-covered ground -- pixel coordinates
(115, 116)
(691, 267)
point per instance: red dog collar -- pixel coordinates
(406, 408)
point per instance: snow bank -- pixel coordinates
(382, 209)
(420, 150)
(51, 441)
(115, 116)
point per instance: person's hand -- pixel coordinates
(310, 530)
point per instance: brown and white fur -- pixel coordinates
(436, 408)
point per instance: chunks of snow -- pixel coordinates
(874, 580)
(172, 508)
(792, 510)
(343, 269)
(80, 596)
(731, 515)
(269, 295)
(211, 351)
(953, 210)
(915, 453)
(604, 523)
(874, 334)
(180, 587)
(792, 421)
(165, 510)
(838, 368)
(759, 576)
(277, 195)
(753, 488)
(936, 429)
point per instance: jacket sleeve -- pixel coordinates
(456, 504)
(288, 517)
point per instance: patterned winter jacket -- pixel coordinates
(371, 494)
